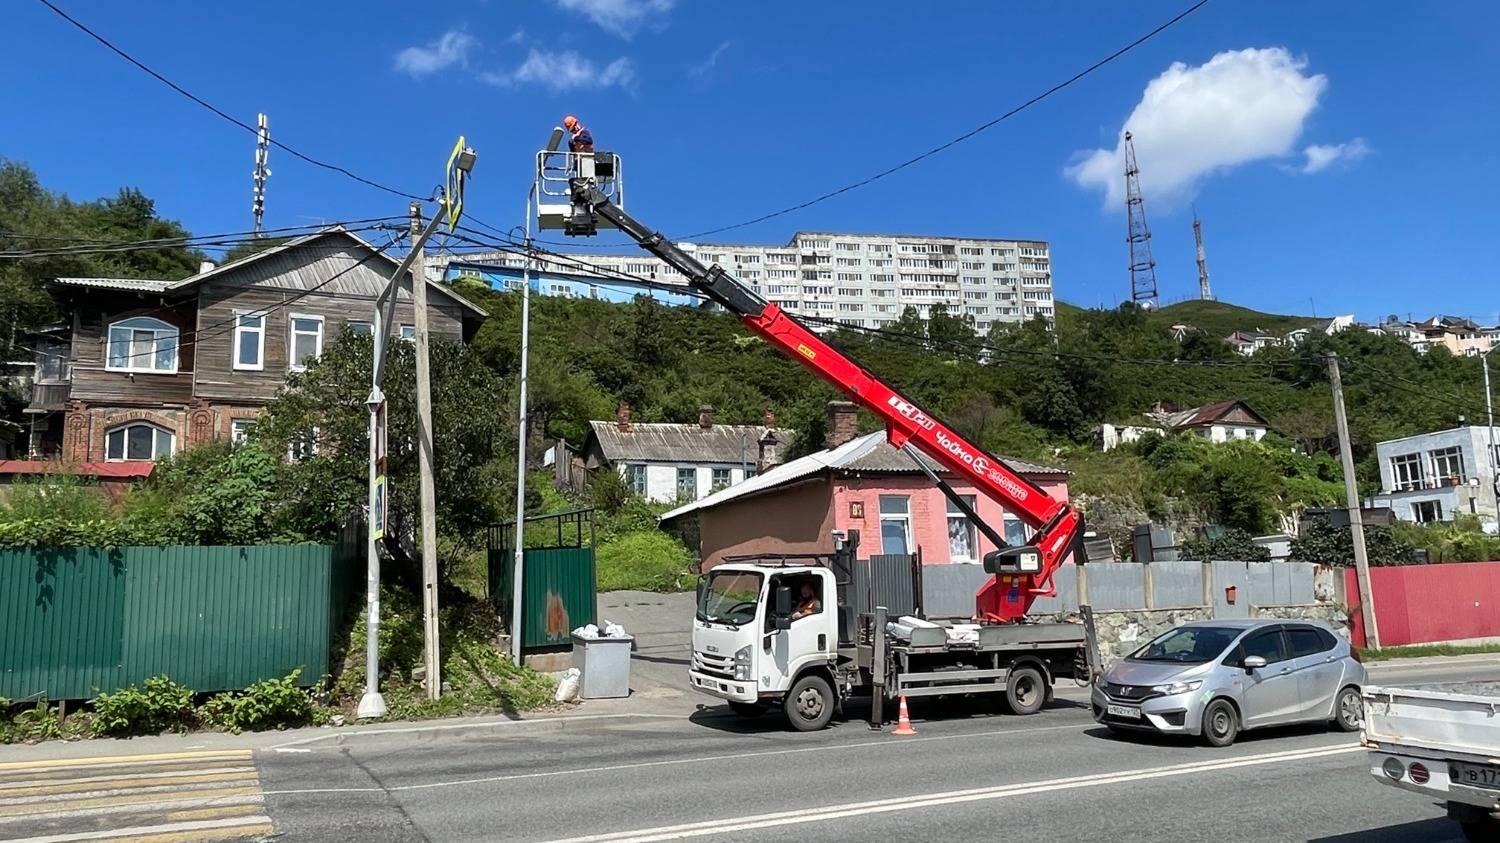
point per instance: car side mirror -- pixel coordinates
(1253, 663)
(781, 612)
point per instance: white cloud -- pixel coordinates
(1240, 106)
(516, 37)
(622, 17)
(1321, 156)
(453, 48)
(705, 69)
(565, 71)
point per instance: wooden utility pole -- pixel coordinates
(1351, 496)
(430, 652)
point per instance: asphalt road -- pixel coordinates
(967, 774)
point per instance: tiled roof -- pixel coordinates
(655, 442)
(140, 285)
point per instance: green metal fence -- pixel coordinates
(558, 583)
(80, 620)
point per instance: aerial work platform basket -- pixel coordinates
(557, 171)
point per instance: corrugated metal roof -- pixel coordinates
(139, 285)
(870, 452)
(1207, 414)
(726, 443)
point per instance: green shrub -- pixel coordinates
(160, 706)
(644, 560)
(1232, 544)
(38, 723)
(65, 497)
(268, 704)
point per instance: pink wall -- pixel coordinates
(1417, 604)
(928, 508)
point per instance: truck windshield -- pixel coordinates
(730, 597)
(1187, 645)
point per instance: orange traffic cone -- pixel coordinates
(903, 723)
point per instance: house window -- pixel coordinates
(635, 477)
(1015, 531)
(250, 342)
(240, 430)
(409, 333)
(140, 441)
(1448, 463)
(895, 524)
(1425, 512)
(360, 329)
(142, 344)
(303, 447)
(52, 362)
(963, 543)
(721, 479)
(305, 341)
(687, 484)
(1406, 471)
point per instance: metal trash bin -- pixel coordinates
(604, 665)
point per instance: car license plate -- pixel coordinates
(1123, 711)
(1475, 775)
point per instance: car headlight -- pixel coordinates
(742, 664)
(1178, 687)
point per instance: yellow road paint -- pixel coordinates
(61, 806)
(108, 760)
(229, 833)
(214, 813)
(125, 782)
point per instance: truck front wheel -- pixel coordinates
(810, 703)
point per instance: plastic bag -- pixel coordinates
(613, 630)
(567, 685)
(587, 631)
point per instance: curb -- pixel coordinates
(1432, 661)
(493, 727)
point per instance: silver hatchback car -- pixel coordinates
(1215, 679)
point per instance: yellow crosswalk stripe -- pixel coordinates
(104, 760)
(139, 780)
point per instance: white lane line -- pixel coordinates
(704, 759)
(240, 780)
(143, 830)
(170, 774)
(491, 724)
(136, 807)
(729, 825)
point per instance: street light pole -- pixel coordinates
(518, 563)
(1489, 409)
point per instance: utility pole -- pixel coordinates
(261, 173)
(430, 650)
(1489, 409)
(1142, 264)
(1351, 496)
(518, 563)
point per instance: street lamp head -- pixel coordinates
(466, 158)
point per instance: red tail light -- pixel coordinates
(1418, 772)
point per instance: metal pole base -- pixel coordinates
(372, 704)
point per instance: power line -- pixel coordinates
(215, 244)
(308, 228)
(225, 115)
(967, 135)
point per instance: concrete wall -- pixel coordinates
(1120, 632)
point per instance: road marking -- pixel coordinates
(126, 760)
(167, 831)
(729, 825)
(126, 781)
(210, 784)
(131, 802)
(637, 765)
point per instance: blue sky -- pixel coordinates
(1341, 154)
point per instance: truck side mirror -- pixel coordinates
(781, 612)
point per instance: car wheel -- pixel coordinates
(810, 703)
(745, 709)
(1221, 724)
(1348, 710)
(1025, 690)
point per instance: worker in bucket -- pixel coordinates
(581, 139)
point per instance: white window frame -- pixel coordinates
(240, 430)
(134, 361)
(260, 346)
(713, 479)
(360, 327)
(1446, 459)
(693, 494)
(904, 518)
(966, 525)
(293, 363)
(1413, 479)
(407, 333)
(157, 431)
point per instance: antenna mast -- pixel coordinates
(1142, 265)
(262, 153)
(1204, 292)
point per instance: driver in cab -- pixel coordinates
(807, 602)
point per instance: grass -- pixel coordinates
(1417, 651)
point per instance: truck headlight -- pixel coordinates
(1178, 687)
(742, 664)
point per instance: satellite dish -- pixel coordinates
(556, 140)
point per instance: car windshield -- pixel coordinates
(729, 597)
(1187, 645)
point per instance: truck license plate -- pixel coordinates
(1475, 775)
(1123, 711)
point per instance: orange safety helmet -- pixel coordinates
(569, 122)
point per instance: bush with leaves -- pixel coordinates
(1230, 544)
(267, 704)
(216, 493)
(644, 560)
(161, 705)
(30, 725)
(1325, 544)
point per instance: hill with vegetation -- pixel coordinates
(1215, 318)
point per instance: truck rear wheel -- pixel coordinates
(1025, 690)
(809, 704)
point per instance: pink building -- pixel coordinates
(861, 483)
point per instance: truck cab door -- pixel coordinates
(811, 635)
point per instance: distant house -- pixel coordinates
(857, 483)
(1435, 476)
(1217, 422)
(1327, 327)
(683, 462)
(141, 369)
(1249, 342)
(1460, 335)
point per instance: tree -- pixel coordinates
(214, 494)
(252, 246)
(1325, 544)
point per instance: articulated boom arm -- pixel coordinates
(1021, 573)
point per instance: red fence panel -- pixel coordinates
(1420, 604)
